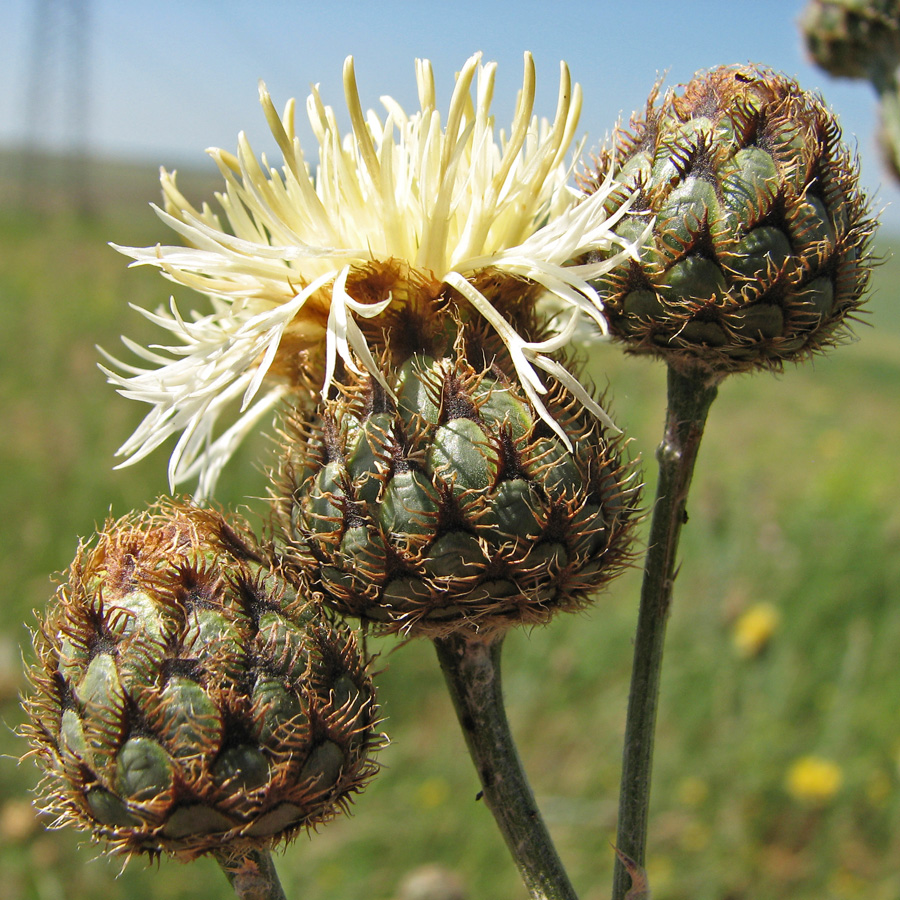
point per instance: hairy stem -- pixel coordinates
(252, 874)
(472, 669)
(689, 399)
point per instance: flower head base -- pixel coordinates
(436, 203)
(453, 508)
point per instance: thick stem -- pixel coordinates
(884, 78)
(252, 874)
(689, 399)
(472, 670)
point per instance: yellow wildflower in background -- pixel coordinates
(814, 780)
(433, 792)
(692, 790)
(754, 629)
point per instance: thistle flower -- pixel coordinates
(185, 700)
(305, 264)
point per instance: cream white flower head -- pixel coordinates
(449, 199)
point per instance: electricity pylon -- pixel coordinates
(58, 89)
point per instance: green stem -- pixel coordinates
(884, 78)
(471, 667)
(689, 399)
(251, 873)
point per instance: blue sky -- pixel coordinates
(168, 78)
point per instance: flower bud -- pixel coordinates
(760, 247)
(186, 701)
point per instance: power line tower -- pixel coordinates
(57, 102)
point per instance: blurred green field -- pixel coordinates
(796, 504)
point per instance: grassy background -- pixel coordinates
(796, 503)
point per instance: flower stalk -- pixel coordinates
(690, 395)
(884, 79)
(252, 874)
(471, 667)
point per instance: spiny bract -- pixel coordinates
(760, 244)
(453, 505)
(185, 701)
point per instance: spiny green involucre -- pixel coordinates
(186, 701)
(452, 504)
(861, 39)
(853, 38)
(760, 248)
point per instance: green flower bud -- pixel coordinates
(186, 701)
(759, 253)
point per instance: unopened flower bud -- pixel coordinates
(760, 247)
(186, 701)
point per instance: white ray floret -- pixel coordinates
(449, 199)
